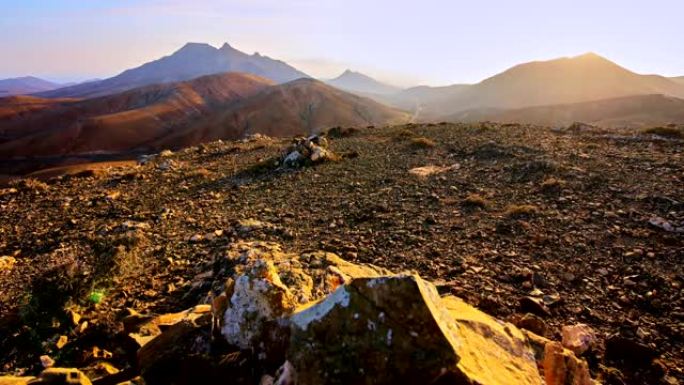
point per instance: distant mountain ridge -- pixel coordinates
(567, 80)
(25, 85)
(191, 61)
(176, 115)
(359, 83)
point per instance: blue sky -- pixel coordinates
(405, 42)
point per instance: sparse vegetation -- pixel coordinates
(341, 132)
(366, 209)
(422, 143)
(476, 201)
(551, 185)
(403, 134)
(521, 211)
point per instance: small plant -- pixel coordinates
(404, 134)
(670, 131)
(342, 132)
(96, 296)
(551, 185)
(476, 200)
(422, 143)
(521, 211)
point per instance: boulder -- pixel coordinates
(258, 297)
(560, 365)
(578, 338)
(144, 328)
(637, 354)
(396, 329)
(173, 339)
(311, 150)
(267, 285)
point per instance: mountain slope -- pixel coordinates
(679, 79)
(25, 85)
(625, 112)
(359, 83)
(300, 107)
(191, 61)
(120, 122)
(177, 115)
(561, 81)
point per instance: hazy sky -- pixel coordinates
(406, 42)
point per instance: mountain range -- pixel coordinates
(25, 85)
(583, 78)
(176, 115)
(191, 61)
(201, 93)
(359, 83)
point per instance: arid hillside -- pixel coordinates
(540, 227)
(177, 115)
(121, 122)
(641, 111)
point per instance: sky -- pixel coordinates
(402, 42)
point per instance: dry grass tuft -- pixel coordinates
(521, 211)
(476, 200)
(404, 134)
(422, 143)
(551, 185)
(342, 132)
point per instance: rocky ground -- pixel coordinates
(576, 225)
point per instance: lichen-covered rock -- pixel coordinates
(258, 296)
(397, 329)
(267, 285)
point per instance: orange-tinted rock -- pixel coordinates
(561, 367)
(578, 338)
(396, 329)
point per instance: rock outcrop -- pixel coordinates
(331, 321)
(311, 150)
(314, 318)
